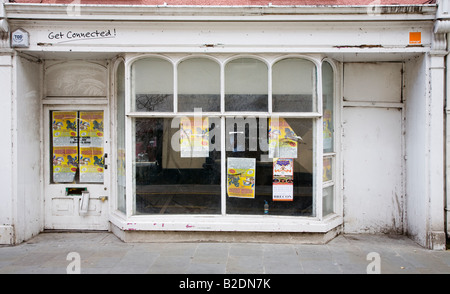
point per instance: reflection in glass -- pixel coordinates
(246, 85)
(152, 85)
(294, 82)
(198, 85)
(170, 180)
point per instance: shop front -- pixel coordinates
(244, 123)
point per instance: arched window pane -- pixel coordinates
(294, 82)
(152, 85)
(328, 109)
(198, 85)
(246, 85)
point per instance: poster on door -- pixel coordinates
(64, 128)
(65, 162)
(91, 164)
(282, 139)
(283, 179)
(91, 129)
(194, 137)
(241, 177)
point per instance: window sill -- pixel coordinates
(227, 223)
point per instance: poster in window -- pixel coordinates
(283, 179)
(194, 137)
(91, 129)
(241, 177)
(65, 162)
(91, 164)
(64, 128)
(327, 130)
(283, 141)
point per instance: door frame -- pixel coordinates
(99, 221)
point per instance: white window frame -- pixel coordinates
(223, 221)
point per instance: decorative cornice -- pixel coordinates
(219, 13)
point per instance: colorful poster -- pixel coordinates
(327, 130)
(194, 137)
(91, 164)
(91, 129)
(65, 162)
(283, 179)
(241, 177)
(64, 128)
(327, 174)
(282, 139)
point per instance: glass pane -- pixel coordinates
(246, 85)
(251, 166)
(328, 200)
(328, 107)
(177, 165)
(120, 133)
(152, 85)
(77, 147)
(198, 85)
(65, 151)
(91, 158)
(327, 169)
(294, 82)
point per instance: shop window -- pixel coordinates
(77, 146)
(198, 85)
(176, 171)
(293, 81)
(246, 85)
(266, 164)
(152, 85)
(270, 162)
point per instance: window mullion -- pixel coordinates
(319, 147)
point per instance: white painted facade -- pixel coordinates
(390, 111)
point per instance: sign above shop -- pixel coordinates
(81, 35)
(20, 39)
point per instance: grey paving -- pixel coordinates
(104, 253)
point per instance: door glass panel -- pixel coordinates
(77, 147)
(177, 165)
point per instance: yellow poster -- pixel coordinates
(91, 129)
(241, 177)
(65, 162)
(64, 128)
(282, 139)
(327, 129)
(91, 164)
(194, 137)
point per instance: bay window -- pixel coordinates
(227, 136)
